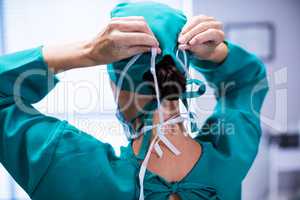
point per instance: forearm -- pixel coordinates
(69, 56)
(111, 45)
(236, 78)
(25, 74)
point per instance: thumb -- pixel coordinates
(137, 50)
(140, 49)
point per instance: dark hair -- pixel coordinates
(171, 82)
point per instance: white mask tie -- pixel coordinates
(160, 136)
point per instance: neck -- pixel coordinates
(169, 110)
(174, 132)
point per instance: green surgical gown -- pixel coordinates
(52, 159)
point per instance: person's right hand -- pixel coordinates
(122, 38)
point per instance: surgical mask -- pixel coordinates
(188, 116)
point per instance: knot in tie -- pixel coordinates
(174, 188)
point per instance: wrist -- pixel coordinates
(94, 52)
(85, 52)
(220, 53)
(65, 57)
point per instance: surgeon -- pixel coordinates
(149, 48)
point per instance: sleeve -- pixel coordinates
(28, 139)
(233, 130)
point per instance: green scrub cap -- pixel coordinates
(128, 74)
(166, 24)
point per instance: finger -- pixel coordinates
(208, 44)
(129, 18)
(211, 35)
(131, 26)
(136, 39)
(140, 49)
(183, 47)
(199, 29)
(194, 21)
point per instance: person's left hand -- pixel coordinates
(204, 36)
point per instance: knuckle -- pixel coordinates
(111, 40)
(112, 26)
(197, 18)
(211, 31)
(205, 25)
(222, 34)
(219, 32)
(108, 27)
(218, 35)
(219, 24)
(200, 16)
(141, 18)
(143, 24)
(205, 17)
(197, 38)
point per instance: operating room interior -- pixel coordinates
(268, 28)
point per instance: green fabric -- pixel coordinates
(166, 24)
(51, 159)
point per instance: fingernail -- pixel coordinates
(183, 47)
(181, 39)
(158, 50)
(156, 42)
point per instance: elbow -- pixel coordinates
(260, 77)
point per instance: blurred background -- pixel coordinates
(269, 28)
